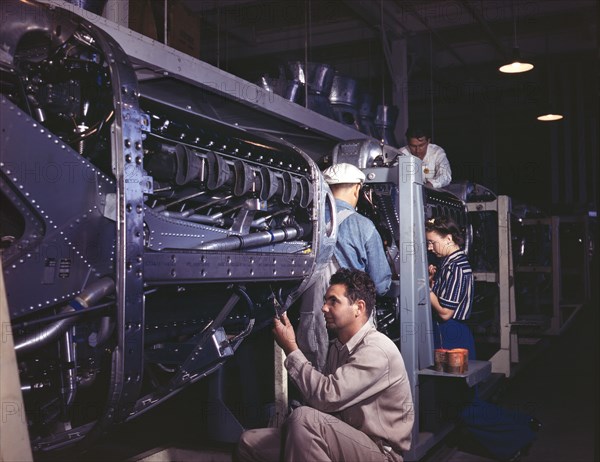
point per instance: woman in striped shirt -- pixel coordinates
(504, 434)
(451, 282)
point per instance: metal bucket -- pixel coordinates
(294, 91)
(366, 117)
(318, 78)
(385, 121)
(273, 85)
(385, 116)
(344, 91)
(365, 106)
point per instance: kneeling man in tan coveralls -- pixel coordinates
(360, 407)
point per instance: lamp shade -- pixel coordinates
(549, 117)
(516, 66)
(548, 108)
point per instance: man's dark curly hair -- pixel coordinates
(359, 286)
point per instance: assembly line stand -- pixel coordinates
(14, 436)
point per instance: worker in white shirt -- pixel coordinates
(436, 168)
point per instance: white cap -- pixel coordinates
(343, 173)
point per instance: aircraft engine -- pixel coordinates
(143, 237)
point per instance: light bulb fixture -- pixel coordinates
(550, 117)
(516, 66)
(548, 109)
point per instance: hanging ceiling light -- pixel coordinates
(549, 112)
(550, 117)
(516, 66)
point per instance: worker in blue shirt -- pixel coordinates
(359, 246)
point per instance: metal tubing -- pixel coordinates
(255, 239)
(69, 358)
(37, 339)
(90, 295)
(96, 291)
(106, 327)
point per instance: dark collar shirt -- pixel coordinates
(453, 285)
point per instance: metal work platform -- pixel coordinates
(478, 372)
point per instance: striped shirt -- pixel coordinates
(453, 285)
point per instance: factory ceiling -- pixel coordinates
(437, 61)
(443, 37)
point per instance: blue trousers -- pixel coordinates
(500, 431)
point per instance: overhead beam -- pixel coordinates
(202, 6)
(369, 12)
(438, 38)
(294, 38)
(498, 46)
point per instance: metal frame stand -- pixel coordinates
(14, 437)
(562, 313)
(508, 353)
(508, 357)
